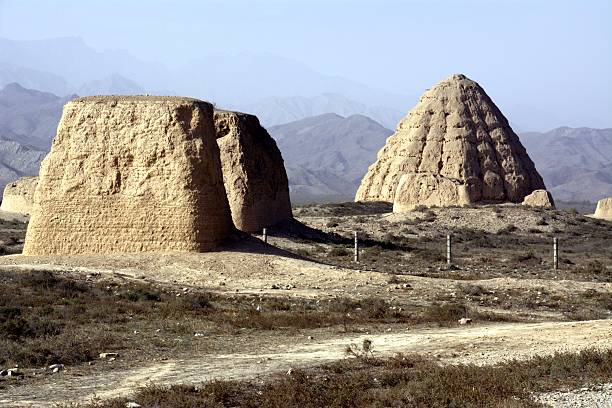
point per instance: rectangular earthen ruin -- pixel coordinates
(131, 174)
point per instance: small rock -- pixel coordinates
(56, 367)
(109, 355)
(132, 404)
(465, 320)
(310, 338)
(13, 372)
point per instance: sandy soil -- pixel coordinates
(252, 267)
(262, 267)
(469, 344)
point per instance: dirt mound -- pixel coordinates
(456, 147)
(539, 198)
(18, 196)
(604, 209)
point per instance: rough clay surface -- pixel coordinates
(430, 190)
(253, 172)
(540, 198)
(455, 138)
(604, 209)
(130, 174)
(18, 196)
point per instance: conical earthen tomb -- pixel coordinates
(454, 147)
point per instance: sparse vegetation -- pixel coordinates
(404, 380)
(338, 251)
(507, 229)
(417, 247)
(65, 317)
(59, 319)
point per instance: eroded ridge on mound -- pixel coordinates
(455, 137)
(253, 171)
(130, 174)
(18, 196)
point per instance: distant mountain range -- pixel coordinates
(18, 160)
(322, 157)
(33, 79)
(68, 65)
(276, 111)
(28, 120)
(576, 163)
(29, 116)
(113, 84)
(326, 155)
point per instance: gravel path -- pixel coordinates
(598, 396)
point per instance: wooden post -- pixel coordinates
(555, 253)
(449, 252)
(356, 248)
(265, 235)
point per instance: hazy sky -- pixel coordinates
(555, 56)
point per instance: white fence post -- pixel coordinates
(449, 252)
(555, 253)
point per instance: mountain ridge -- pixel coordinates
(326, 155)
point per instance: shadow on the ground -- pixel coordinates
(298, 232)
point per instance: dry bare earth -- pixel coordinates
(269, 309)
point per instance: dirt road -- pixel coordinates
(474, 344)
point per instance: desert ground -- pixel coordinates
(253, 313)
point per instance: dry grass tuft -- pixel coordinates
(402, 381)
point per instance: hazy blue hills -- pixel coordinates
(326, 154)
(576, 163)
